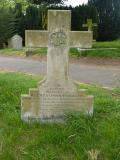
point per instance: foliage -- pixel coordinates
(47, 2)
(43, 4)
(69, 141)
(12, 3)
(33, 18)
(80, 15)
(19, 18)
(7, 25)
(12, 22)
(109, 18)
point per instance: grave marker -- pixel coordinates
(57, 95)
(90, 24)
(15, 42)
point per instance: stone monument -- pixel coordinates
(90, 24)
(15, 42)
(57, 95)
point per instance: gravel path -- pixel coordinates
(93, 74)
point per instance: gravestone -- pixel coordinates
(90, 24)
(15, 42)
(57, 95)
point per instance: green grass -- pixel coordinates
(101, 53)
(40, 51)
(71, 141)
(110, 53)
(111, 44)
(11, 52)
(74, 53)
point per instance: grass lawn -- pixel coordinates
(74, 53)
(101, 53)
(11, 52)
(111, 44)
(71, 141)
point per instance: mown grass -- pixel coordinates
(12, 52)
(101, 53)
(69, 141)
(74, 53)
(35, 51)
(109, 44)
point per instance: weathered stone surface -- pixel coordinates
(36, 38)
(15, 42)
(57, 95)
(81, 39)
(52, 103)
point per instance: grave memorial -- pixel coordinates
(90, 24)
(15, 42)
(58, 94)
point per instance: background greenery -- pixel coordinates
(17, 16)
(109, 18)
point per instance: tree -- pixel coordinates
(80, 14)
(7, 26)
(12, 3)
(19, 18)
(46, 2)
(33, 18)
(43, 4)
(109, 18)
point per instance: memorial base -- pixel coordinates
(50, 103)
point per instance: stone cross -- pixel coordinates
(89, 24)
(58, 93)
(58, 39)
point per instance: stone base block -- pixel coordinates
(50, 104)
(30, 104)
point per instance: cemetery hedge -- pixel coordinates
(109, 18)
(69, 141)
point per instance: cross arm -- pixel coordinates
(81, 39)
(34, 39)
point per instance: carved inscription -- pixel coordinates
(58, 38)
(57, 98)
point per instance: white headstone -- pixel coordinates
(58, 94)
(15, 42)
